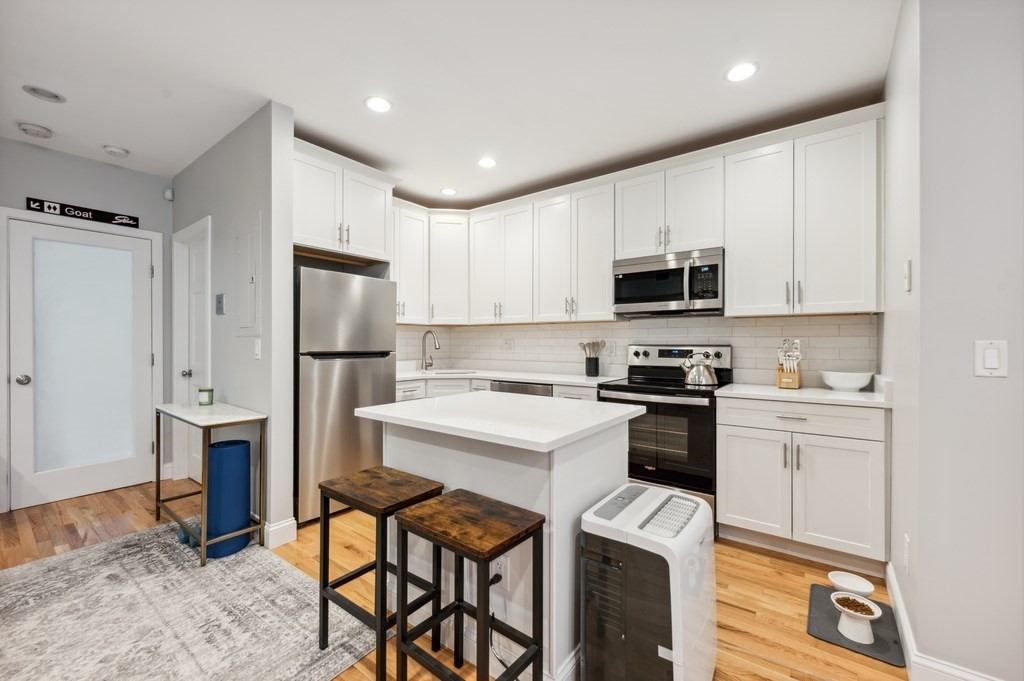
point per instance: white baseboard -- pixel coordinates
(921, 667)
(281, 533)
(793, 548)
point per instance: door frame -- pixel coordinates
(156, 317)
(200, 230)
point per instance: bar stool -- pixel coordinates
(481, 529)
(380, 492)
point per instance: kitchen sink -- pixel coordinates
(446, 372)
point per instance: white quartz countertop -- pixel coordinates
(531, 422)
(520, 376)
(750, 391)
(216, 414)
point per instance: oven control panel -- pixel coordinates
(671, 355)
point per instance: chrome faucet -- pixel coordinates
(426, 363)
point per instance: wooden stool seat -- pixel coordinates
(479, 527)
(380, 490)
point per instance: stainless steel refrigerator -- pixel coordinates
(345, 359)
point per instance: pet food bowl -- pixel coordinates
(855, 584)
(854, 625)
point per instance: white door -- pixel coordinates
(759, 231)
(640, 216)
(695, 206)
(593, 247)
(839, 494)
(81, 337)
(517, 246)
(486, 268)
(316, 207)
(411, 257)
(754, 485)
(449, 269)
(198, 369)
(552, 258)
(836, 221)
(366, 210)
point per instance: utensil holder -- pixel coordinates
(593, 366)
(787, 379)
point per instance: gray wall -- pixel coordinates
(959, 489)
(32, 170)
(244, 183)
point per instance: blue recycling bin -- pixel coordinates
(228, 501)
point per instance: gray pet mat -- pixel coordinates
(823, 623)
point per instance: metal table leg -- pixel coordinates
(156, 451)
(204, 526)
(263, 480)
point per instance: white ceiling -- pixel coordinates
(552, 89)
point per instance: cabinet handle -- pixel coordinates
(431, 311)
(785, 457)
(798, 457)
(341, 239)
(567, 305)
(403, 308)
(787, 293)
(501, 310)
(495, 310)
(574, 305)
(668, 234)
(799, 292)
(660, 240)
(572, 397)
(409, 390)
(398, 309)
(791, 418)
(348, 235)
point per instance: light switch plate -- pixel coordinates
(258, 349)
(990, 359)
(220, 303)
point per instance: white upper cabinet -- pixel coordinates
(501, 266)
(486, 268)
(316, 207)
(411, 266)
(449, 269)
(694, 206)
(552, 260)
(593, 250)
(366, 207)
(835, 244)
(640, 216)
(516, 305)
(759, 231)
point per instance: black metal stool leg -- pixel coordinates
(483, 620)
(460, 597)
(325, 563)
(401, 668)
(435, 606)
(381, 597)
(538, 602)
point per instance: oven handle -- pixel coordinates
(614, 395)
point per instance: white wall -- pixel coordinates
(960, 492)
(33, 170)
(244, 183)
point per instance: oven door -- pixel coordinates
(674, 442)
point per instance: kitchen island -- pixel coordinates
(552, 456)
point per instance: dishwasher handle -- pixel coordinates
(542, 389)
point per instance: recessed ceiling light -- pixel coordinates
(378, 104)
(37, 131)
(448, 191)
(487, 162)
(741, 72)
(44, 94)
(117, 152)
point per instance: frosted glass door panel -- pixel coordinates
(83, 354)
(81, 343)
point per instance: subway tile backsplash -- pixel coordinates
(830, 343)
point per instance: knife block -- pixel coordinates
(787, 379)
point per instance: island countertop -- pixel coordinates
(539, 424)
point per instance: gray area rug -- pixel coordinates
(141, 607)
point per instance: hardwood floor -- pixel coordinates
(762, 595)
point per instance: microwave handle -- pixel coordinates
(686, 283)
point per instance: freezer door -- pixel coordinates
(332, 440)
(340, 312)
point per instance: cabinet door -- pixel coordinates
(440, 388)
(449, 269)
(517, 242)
(759, 231)
(316, 208)
(640, 216)
(572, 392)
(411, 258)
(552, 260)
(695, 206)
(486, 268)
(839, 494)
(593, 248)
(836, 221)
(367, 207)
(410, 390)
(754, 483)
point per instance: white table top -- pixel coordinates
(539, 424)
(750, 391)
(216, 414)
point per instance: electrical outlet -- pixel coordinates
(509, 345)
(906, 553)
(499, 566)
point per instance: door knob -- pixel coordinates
(24, 379)
(187, 373)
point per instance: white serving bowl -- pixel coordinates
(847, 581)
(853, 625)
(846, 381)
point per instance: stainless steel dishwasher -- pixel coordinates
(542, 389)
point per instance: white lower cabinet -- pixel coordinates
(410, 390)
(572, 392)
(478, 384)
(817, 489)
(447, 386)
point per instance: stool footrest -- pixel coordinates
(369, 567)
(430, 663)
(351, 608)
(520, 664)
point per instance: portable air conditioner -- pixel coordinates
(648, 587)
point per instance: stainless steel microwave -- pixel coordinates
(687, 283)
